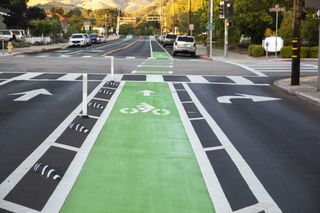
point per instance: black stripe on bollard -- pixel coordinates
(46, 171)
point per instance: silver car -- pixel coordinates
(185, 44)
(169, 39)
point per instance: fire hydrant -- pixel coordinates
(10, 47)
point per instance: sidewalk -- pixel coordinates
(307, 90)
(47, 48)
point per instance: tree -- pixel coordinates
(126, 29)
(46, 27)
(35, 13)
(17, 18)
(310, 30)
(286, 27)
(76, 23)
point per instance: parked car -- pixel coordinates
(19, 34)
(185, 44)
(94, 38)
(78, 39)
(6, 35)
(102, 39)
(169, 39)
(88, 39)
(161, 38)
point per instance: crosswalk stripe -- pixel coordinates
(197, 79)
(155, 78)
(240, 80)
(69, 77)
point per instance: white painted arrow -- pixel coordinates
(254, 98)
(26, 96)
(147, 92)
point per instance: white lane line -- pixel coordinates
(258, 73)
(186, 102)
(248, 175)
(155, 78)
(94, 117)
(13, 179)
(64, 56)
(42, 56)
(13, 207)
(26, 76)
(254, 208)
(209, 149)
(240, 80)
(216, 193)
(86, 56)
(195, 119)
(130, 57)
(197, 79)
(57, 199)
(67, 147)
(70, 77)
(151, 51)
(100, 99)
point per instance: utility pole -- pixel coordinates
(190, 31)
(295, 71)
(173, 17)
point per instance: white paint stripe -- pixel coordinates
(80, 130)
(26, 76)
(57, 199)
(87, 56)
(196, 119)
(197, 79)
(42, 56)
(240, 80)
(49, 173)
(44, 169)
(151, 51)
(170, 57)
(186, 102)
(117, 77)
(130, 57)
(94, 117)
(13, 207)
(100, 99)
(69, 77)
(208, 149)
(254, 208)
(155, 78)
(258, 73)
(216, 193)
(248, 175)
(12, 180)
(221, 83)
(64, 56)
(67, 147)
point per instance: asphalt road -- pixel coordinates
(264, 153)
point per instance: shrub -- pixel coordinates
(286, 52)
(313, 53)
(256, 50)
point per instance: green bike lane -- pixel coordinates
(142, 160)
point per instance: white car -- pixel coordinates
(19, 34)
(88, 39)
(78, 39)
(184, 44)
(102, 39)
(161, 38)
(6, 35)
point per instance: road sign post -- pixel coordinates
(277, 9)
(84, 96)
(191, 28)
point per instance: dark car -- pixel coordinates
(94, 38)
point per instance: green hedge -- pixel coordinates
(306, 52)
(256, 50)
(313, 52)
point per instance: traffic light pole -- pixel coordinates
(295, 71)
(226, 37)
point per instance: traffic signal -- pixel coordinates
(221, 9)
(228, 8)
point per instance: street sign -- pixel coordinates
(277, 8)
(209, 26)
(317, 15)
(312, 3)
(191, 27)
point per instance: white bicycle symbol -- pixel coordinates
(144, 107)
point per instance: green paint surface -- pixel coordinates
(152, 72)
(161, 55)
(142, 162)
(129, 37)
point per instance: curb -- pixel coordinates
(37, 51)
(206, 58)
(301, 95)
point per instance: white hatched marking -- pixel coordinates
(197, 79)
(155, 78)
(70, 77)
(209, 149)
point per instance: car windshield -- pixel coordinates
(186, 39)
(16, 32)
(171, 36)
(77, 36)
(93, 36)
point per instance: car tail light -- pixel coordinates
(176, 43)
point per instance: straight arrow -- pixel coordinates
(147, 92)
(26, 96)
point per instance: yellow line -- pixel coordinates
(121, 48)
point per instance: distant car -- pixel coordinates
(94, 38)
(161, 38)
(78, 40)
(88, 39)
(19, 34)
(169, 39)
(185, 44)
(102, 39)
(6, 35)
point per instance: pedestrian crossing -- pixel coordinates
(279, 67)
(156, 78)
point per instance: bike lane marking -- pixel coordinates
(142, 160)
